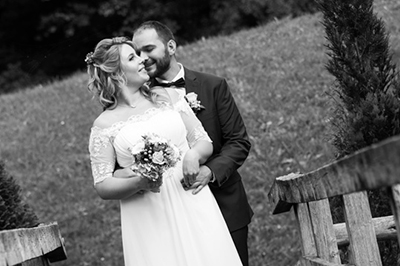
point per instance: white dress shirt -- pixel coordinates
(181, 74)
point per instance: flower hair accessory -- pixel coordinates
(119, 40)
(89, 58)
(195, 104)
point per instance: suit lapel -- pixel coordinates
(192, 83)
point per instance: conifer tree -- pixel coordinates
(13, 213)
(366, 90)
(366, 87)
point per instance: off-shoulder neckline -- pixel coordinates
(133, 118)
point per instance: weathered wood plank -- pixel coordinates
(19, 245)
(40, 261)
(370, 168)
(324, 234)
(314, 261)
(308, 247)
(385, 229)
(394, 193)
(363, 244)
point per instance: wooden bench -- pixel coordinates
(35, 246)
(374, 167)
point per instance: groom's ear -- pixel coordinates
(171, 45)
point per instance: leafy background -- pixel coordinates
(278, 78)
(47, 39)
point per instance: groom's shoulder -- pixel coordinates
(204, 75)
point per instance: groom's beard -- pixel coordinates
(162, 65)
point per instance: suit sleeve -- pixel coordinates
(235, 141)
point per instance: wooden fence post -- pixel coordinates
(36, 246)
(370, 168)
(363, 244)
(306, 232)
(321, 218)
(394, 193)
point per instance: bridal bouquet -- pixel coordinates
(153, 155)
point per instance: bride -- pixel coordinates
(162, 223)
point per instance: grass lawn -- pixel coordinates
(278, 78)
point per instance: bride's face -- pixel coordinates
(133, 66)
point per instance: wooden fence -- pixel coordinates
(377, 166)
(35, 246)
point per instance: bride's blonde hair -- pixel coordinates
(106, 77)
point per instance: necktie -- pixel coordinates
(178, 83)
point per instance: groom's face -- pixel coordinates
(152, 49)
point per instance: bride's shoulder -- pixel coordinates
(169, 95)
(105, 120)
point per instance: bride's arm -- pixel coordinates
(192, 160)
(102, 157)
(200, 145)
(121, 188)
(199, 141)
(197, 137)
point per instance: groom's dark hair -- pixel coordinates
(162, 30)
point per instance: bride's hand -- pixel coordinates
(124, 173)
(148, 185)
(144, 183)
(155, 186)
(191, 167)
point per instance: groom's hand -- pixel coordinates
(190, 167)
(202, 179)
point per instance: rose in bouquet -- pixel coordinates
(153, 156)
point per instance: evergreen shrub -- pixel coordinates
(366, 91)
(13, 212)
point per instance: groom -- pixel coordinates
(220, 118)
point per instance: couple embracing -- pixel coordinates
(168, 145)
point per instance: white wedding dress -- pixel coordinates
(172, 227)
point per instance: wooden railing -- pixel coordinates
(377, 166)
(35, 246)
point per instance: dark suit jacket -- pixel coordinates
(223, 123)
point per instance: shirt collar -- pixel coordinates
(181, 74)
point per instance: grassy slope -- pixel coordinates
(278, 78)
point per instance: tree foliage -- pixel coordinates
(366, 91)
(367, 86)
(13, 213)
(42, 39)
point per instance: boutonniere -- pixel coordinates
(195, 104)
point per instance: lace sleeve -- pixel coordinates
(102, 155)
(195, 130)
